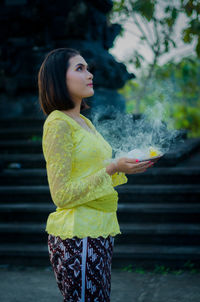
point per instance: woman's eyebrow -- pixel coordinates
(81, 64)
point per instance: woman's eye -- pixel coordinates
(81, 68)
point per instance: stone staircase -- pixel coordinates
(158, 211)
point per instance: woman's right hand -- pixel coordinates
(131, 166)
(128, 166)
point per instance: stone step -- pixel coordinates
(31, 160)
(139, 233)
(159, 193)
(25, 212)
(181, 151)
(20, 133)
(127, 194)
(21, 146)
(12, 123)
(172, 175)
(23, 177)
(192, 162)
(159, 213)
(160, 233)
(175, 156)
(146, 256)
(137, 212)
(167, 175)
(149, 256)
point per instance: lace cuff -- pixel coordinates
(119, 178)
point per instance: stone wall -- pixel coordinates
(30, 29)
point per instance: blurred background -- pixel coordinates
(145, 58)
(160, 43)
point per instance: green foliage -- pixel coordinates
(177, 272)
(185, 78)
(118, 6)
(146, 9)
(35, 138)
(188, 266)
(188, 117)
(128, 268)
(161, 269)
(177, 86)
(139, 270)
(136, 59)
(154, 30)
(192, 10)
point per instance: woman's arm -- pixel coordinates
(118, 178)
(58, 148)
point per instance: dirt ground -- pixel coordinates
(39, 285)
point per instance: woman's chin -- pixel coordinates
(91, 93)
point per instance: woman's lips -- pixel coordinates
(91, 85)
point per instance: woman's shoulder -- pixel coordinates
(58, 118)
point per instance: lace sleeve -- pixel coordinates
(119, 178)
(58, 150)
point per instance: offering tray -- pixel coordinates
(153, 158)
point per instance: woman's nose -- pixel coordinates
(90, 75)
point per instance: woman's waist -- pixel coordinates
(106, 203)
(82, 222)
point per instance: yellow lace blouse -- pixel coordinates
(79, 185)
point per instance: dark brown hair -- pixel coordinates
(53, 91)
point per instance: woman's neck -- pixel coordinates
(75, 112)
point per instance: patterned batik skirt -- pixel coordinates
(82, 267)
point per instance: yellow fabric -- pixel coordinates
(79, 185)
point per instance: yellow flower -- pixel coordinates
(153, 152)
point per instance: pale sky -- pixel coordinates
(124, 46)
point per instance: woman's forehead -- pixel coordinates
(77, 60)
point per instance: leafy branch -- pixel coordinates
(154, 23)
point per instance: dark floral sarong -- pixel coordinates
(82, 267)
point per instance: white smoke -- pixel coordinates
(154, 129)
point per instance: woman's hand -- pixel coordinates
(128, 166)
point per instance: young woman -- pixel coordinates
(81, 231)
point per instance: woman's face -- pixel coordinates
(77, 79)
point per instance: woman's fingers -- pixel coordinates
(130, 166)
(137, 163)
(131, 160)
(142, 164)
(140, 168)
